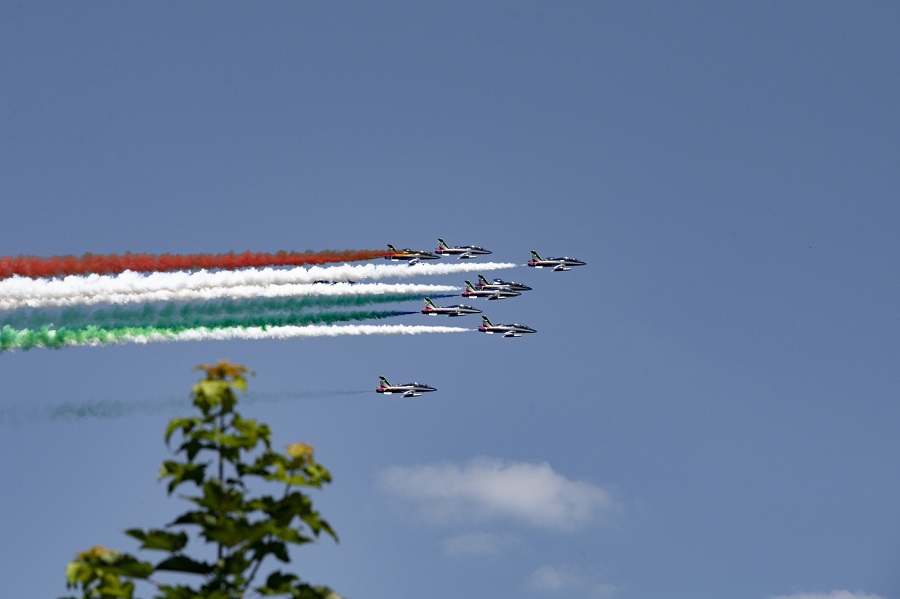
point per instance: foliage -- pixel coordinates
(221, 453)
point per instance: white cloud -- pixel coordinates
(554, 579)
(564, 578)
(479, 544)
(831, 595)
(485, 489)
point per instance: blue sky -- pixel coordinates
(708, 408)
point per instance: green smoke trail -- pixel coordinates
(111, 409)
(46, 336)
(173, 314)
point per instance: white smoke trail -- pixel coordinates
(103, 293)
(285, 332)
(130, 282)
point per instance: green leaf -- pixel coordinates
(113, 587)
(279, 582)
(180, 473)
(79, 571)
(240, 383)
(219, 499)
(159, 539)
(276, 548)
(127, 565)
(210, 394)
(204, 519)
(182, 563)
(185, 424)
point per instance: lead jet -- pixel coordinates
(500, 284)
(457, 310)
(558, 264)
(508, 330)
(407, 389)
(463, 251)
(491, 294)
(411, 256)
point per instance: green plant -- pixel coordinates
(222, 453)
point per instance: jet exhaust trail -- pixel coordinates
(88, 295)
(256, 306)
(172, 314)
(24, 288)
(34, 266)
(115, 408)
(95, 336)
(110, 409)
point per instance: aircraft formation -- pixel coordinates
(495, 290)
(67, 301)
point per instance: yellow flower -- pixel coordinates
(223, 370)
(300, 452)
(97, 554)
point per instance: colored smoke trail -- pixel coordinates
(55, 338)
(95, 336)
(34, 266)
(114, 408)
(167, 315)
(110, 409)
(111, 291)
(24, 288)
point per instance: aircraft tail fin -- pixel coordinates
(486, 321)
(536, 256)
(482, 280)
(470, 286)
(443, 244)
(384, 382)
(393, 249)
(429, 303)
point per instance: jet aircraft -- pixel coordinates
(558, 264)
(491, 294)
(508, 330)
(407, 389)
(411, 256)
(463, 251)
(500, 284)
(457, 310)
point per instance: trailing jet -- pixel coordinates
(407, 389)
(491, 294)
(411, 256)
(463, 251)
(500, 284)
(508, 330)
(457, 310)
(564, 263)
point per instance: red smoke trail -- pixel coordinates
(33, 266)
